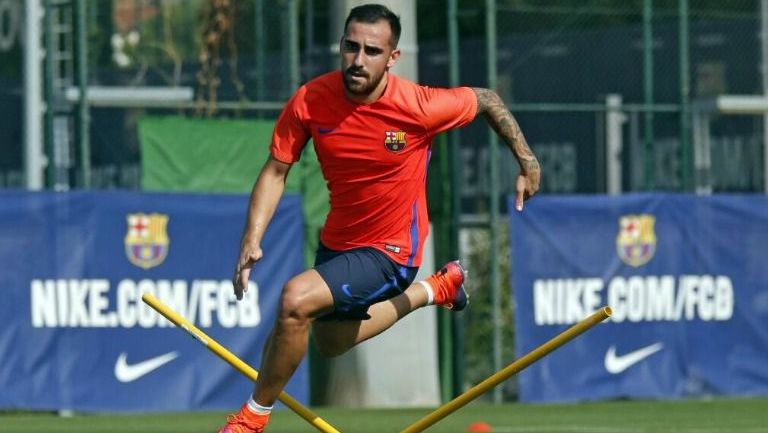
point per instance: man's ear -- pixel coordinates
(393, 56)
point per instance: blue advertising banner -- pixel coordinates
(75, 332)
(686, 279)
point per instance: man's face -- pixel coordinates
(366, 54)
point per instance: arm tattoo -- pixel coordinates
(501, 120)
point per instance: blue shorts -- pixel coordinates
(360, 278)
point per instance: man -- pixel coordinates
(372, 132)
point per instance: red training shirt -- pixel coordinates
(374, 157)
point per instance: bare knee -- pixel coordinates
(292, 308)
(301, 301)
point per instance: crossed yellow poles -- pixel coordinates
(420, 425)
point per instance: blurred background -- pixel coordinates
(617, 98)
(559, 65)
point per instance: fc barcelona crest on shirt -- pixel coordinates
(636, 242)
(146, 242)
(394, 141)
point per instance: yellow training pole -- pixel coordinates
(504, 374)
(234, 361)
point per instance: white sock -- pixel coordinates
(256, 408)
(430, 292)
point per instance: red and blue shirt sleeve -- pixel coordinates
(445, 109)
(290, 134)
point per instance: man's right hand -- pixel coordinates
(249, 255)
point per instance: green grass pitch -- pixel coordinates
(691, 416)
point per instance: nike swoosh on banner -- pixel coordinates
(616, 364)
(128, 373)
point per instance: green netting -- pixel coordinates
(204, 155)
(225, 156)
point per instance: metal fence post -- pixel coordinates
(48, 92)
(493, 144)
(685, 96)
(258, 23)
(764, 76)
(648, 46)
(33, 95)
(292, 19)
(83, 113)
(455, 191)
(614, 143)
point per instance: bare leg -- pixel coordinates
(304, 297)
(335, 338)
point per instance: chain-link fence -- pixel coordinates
(559, 60)
(11, 88)
(233, 56)
(558, 64)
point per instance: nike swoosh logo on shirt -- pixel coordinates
(615, 364)
(125, 372)
(325, 130)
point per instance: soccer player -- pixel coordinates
(372, 132)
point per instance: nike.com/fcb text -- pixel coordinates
(648, 298)
(85, 303)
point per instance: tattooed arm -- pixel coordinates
(490, 105)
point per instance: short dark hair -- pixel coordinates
(373, 13)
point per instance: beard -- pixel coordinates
(361, 87)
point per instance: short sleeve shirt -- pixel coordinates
(374, 157)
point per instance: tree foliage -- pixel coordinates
(478, 318)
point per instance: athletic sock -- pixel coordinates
(429, 290)
(256, 408)
(255, 415)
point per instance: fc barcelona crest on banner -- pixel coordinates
(146, 242)
(636, 242)
(394, 141)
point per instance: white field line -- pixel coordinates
(564, 429)
(618, 429)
